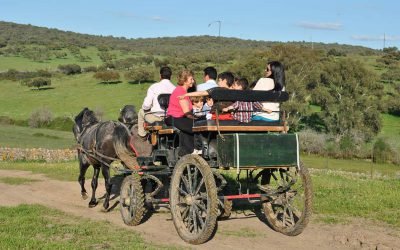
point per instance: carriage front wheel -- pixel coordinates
(132, 200)
(288, 205)
(193, 199)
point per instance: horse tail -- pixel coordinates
(123, 147)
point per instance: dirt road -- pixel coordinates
(239, 232)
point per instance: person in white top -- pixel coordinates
(274, 80)
(210, 74)
(151, 110)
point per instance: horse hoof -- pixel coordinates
(92, 204)
(84, 196)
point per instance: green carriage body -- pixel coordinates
(243, 150)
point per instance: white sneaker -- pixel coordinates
(197, 152)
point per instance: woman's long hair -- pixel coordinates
(278, 74)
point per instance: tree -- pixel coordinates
(39, 82)
(139, 75)
(108, 76)
(348, 95)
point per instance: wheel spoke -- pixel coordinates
(189, 174)
(182, 191)
(199, 187)
(201, 206)
(194, 215)
(185, 182)
(195, 178)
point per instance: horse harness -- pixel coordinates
(93, 153)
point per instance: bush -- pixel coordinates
(90, 69)
(70, 69)
(61, 123)
(6, 120)
(382, 151)
(312, 142)
(109, 76)
(40, 118)
(39, 82)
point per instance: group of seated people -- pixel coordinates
(189, 102)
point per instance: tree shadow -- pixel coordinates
(110, 82)
(44, 88)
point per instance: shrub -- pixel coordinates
(70, 69)
(382, 151)
(6, 120)
(312, 142)
(40, 118)
(39, 82)
(109, 76)
(90, 69)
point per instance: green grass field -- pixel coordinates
(39, 227)
(25, 137)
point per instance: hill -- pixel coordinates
(12, 34)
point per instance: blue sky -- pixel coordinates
(353, 22)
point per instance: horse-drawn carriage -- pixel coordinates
(258, 161)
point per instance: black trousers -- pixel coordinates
(186, 138)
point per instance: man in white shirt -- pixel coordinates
(210, 74)
(151, 110)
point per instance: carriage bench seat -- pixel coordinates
(160, 128)
(236, 126)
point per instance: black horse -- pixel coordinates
(100, 143)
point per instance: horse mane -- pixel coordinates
(85, 118)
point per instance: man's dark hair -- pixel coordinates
(210, 72)
(230, 78)
(165, 73)
(242, 82)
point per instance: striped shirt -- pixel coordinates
(244, 110)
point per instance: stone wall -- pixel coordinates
(37, 154)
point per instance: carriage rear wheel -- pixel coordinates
(288, 205)
(132, 200)
(193, 199)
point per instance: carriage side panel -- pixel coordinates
(262, 150)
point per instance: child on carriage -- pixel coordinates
(243, 111)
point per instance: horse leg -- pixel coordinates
(93, 202)
(81, 179)
(106, 173)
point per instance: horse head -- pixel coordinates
(85, 118)
(128, 115)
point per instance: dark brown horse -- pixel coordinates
(100, 143)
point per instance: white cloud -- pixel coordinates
(375, 38)
(320, 26)
(158, 18)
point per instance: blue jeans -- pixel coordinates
(261, 118)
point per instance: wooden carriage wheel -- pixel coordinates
(193, 199)
(288, 206)
(132, 200)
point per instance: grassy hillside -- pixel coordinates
(24, 64)
(24, 137)
(69, 96)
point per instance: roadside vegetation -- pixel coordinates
(39, 227)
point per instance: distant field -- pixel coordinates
(69, 96)
(24, 137)
(24, 64)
